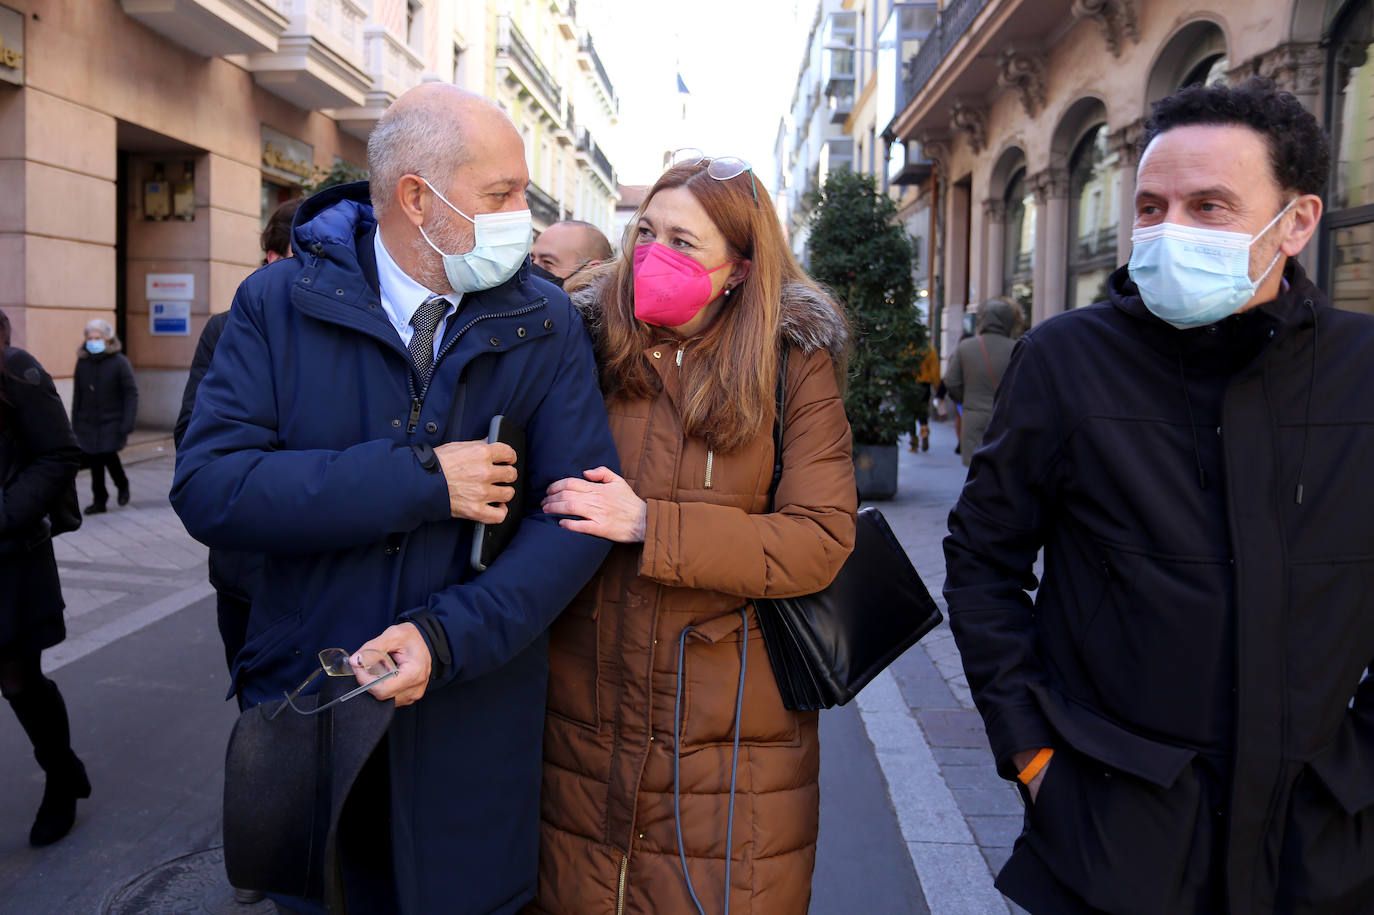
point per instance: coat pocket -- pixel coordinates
(1122, 843)
(1327, 864)
(710, 684)
(574, 663)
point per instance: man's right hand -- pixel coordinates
(475, 472)
(1023, 759)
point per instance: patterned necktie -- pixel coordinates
(425, 320)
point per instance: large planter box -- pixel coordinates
(875, 471)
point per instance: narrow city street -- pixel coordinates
(913, 818)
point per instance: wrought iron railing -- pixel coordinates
(955, 20)
(542, 205)
(588, 145)
(590, 50)
(512, 43)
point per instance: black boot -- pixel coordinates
(43, 715)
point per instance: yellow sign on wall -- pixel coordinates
(11, 46)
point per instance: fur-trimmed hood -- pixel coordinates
(811, 320)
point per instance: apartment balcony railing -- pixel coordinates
(543, 207)
(955, 20)
(589, 60)
(319, 61)
(566, 135)
(213, 28)
(513, 48)
(588, 149)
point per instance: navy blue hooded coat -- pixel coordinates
(300, 447)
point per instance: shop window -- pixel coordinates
(1349, 243)
(1018, 242)
(1094, 214)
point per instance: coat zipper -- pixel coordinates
(620, 893)
(417, 401)
(710, 452)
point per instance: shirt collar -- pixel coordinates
(402, 296)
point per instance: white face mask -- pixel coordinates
(500, 243)
(1191, 277)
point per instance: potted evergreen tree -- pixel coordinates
(862, 253)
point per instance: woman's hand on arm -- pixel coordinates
(602, 504)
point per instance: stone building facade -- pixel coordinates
(1020, 119)
(143, 144)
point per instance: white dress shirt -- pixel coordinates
(402, 296)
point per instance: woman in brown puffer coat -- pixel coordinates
(646, 670)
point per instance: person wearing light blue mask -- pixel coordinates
(341, 432)
(1184, 701)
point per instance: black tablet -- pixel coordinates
(488, 540)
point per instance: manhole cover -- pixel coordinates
(193, 884)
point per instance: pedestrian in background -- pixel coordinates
(691, 327)
(39, 458)
(104, 408)
(233, 573)
(927, 382)
(567, 247)
(976, 368)
(1185, 700)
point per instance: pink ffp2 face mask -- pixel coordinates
(670, 287)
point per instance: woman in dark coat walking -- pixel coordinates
(39, 457)
(104, 406)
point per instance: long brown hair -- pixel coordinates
(730, 379)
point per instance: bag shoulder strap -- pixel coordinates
(777, 427)
(987, 362)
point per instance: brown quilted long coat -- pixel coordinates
(609, 843)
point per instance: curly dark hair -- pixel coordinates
(1298, 148)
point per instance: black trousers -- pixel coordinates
(98, 464)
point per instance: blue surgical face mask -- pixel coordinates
(1191, 277)
(500, 243)
(95, 347)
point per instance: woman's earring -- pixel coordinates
(728, 290)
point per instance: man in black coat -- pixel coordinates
(1185, 699)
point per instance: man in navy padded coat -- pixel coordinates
(1186, 700)
(341, 431)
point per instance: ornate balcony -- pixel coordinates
(319, 59)
(213, 28)
(590, 62)
(543, 208)
(394, 68)
(589, 153)
(517, 61)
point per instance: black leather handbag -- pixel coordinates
(825, 647)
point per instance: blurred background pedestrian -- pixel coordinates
(39, 458)
(927, 381)
(977, 366)
(233, 573)
(104, 407)
(567, 247)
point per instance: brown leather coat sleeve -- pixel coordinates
(796, 549)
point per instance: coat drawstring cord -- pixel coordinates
(734, 762)
(1307, 417)
(1192, 426)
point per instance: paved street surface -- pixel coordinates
(913, 818)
